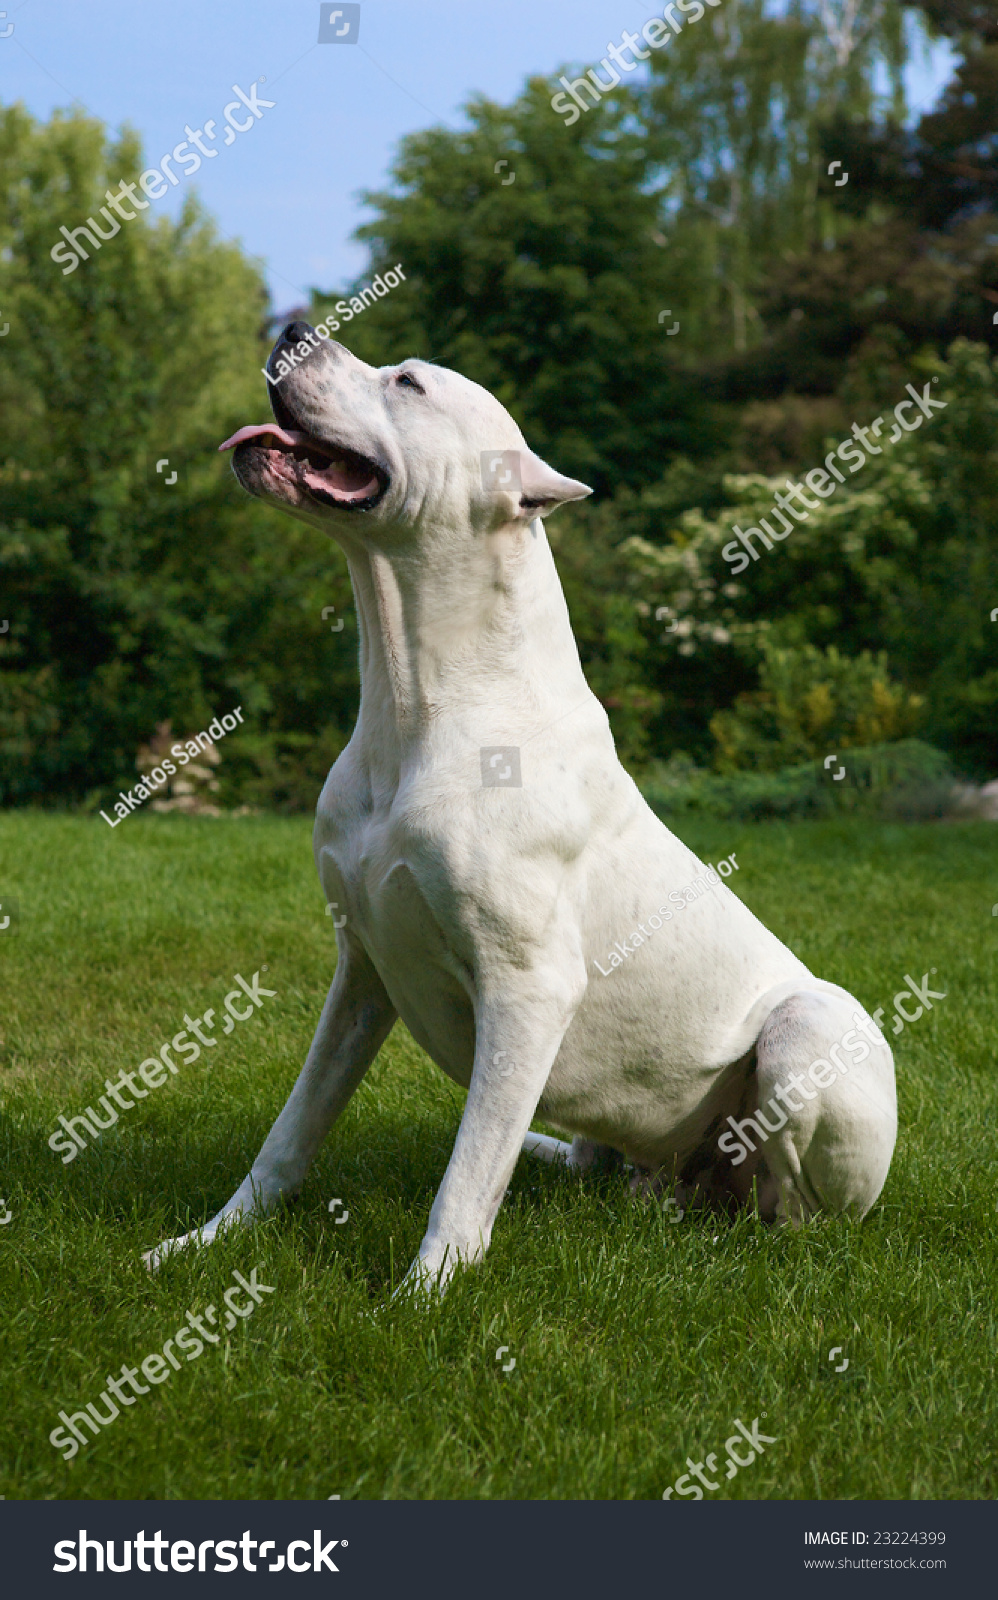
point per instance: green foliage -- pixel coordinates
(734, 115)
(279, 771)
(974, 19)
(130, 602)
(903, 255)
(547, 291)
(900, 559)
(907, 779)
(802, 307)
(810, 701)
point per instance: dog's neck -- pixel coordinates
(452, 627)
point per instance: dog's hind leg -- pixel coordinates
(356, 1019)
(545, 1148)
(831, 1150)
(585, 1155)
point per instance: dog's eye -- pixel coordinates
(407, 381)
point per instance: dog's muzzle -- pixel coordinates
(291, 463)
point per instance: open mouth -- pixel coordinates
(328, 473)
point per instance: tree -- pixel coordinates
(910, 261)
(734, 115)
(130, 602)
(547, 289)
(900, 559)
(962, 18)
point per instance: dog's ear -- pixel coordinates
(543, 490)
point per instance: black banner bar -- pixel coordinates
(481, 1549)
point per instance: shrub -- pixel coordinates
(910, 780)
(811, 701)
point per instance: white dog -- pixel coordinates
(483, 910)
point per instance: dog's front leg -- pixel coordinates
(519, 1030)
(355, 1022)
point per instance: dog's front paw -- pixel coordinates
(197, 1238)
(427, 1279)
(419, 1286)
(154, 1258)
(249, 1201)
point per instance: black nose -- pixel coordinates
(295, 331)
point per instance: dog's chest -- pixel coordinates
(366, 867)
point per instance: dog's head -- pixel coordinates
(358, 448)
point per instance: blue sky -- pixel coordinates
(288, 188)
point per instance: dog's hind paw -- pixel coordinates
(792, 1210)
(650, 1183)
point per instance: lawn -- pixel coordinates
(637, 1339)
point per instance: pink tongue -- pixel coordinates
(259, 430)
(349, 483)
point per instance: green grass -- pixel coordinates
(637, 1341)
